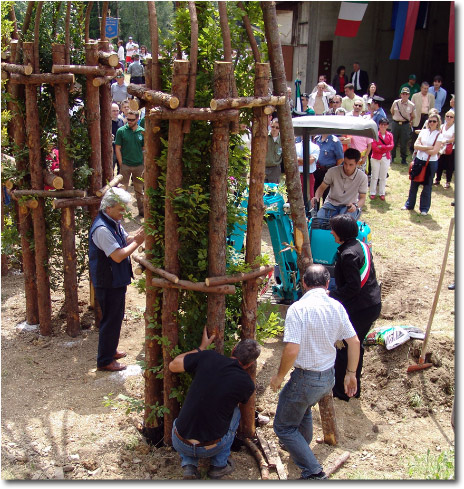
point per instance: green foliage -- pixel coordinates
(433, 467)
(269, 322)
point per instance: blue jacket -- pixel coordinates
(104, 271)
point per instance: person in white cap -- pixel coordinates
(131, 49)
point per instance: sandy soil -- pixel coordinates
(55, 426)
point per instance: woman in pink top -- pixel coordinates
(380, 160)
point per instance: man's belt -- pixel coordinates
(201, 444)
(322, 167)
(401, 122)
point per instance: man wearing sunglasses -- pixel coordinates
(129, 153)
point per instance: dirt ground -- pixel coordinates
(55, 426)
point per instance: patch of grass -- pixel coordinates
(415, 400)
(132, 442)
(429, 466)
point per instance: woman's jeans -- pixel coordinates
(218, 454)
(293, 422)
(426, 194)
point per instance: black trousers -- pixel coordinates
(362, 321)
(319, 175)
(113, 304)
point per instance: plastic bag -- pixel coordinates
(393, 336)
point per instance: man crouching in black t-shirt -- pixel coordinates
(209, 417)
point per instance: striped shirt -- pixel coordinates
(316, 322)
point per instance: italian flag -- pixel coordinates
(349, 18)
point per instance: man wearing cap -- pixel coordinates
(423, 102)
(119, 89)
(377, 111)
(131, 49)
(412, 85)
(403, 113)
(136, 70)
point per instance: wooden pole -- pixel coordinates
(239, 277)
(113, 183)
(153, 96)
(103, 21)
(48, 193)
(68, 222)
(328, 420)
(20, 69)
(87, 22)
(108, 58)
(77, 202)
(159, 271)
(262, 464)
(193, 61)
(84, 70)
(52, 180)
(223, 20)
(197, 114)
(172, 244)
(42, 78)
(67, 37)
(249, 31)
(196, 286)
(247, 102)
(217, 227)
(17, 133)
(38, 214)
(155, 65)
(287, 137)
(105, 124)
(36, 58)
(254, 230)
(101, 80)
(24, 29)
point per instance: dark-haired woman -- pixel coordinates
(357, 289)
(340, 80)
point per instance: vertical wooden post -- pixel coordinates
(172, 244)
(68, 225)
(38, 214)
(217, 227)
(4, 257)
(153, 353)
(92, 108)
(153, 22)
(254, 230)
(105, 125)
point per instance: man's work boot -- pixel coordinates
(220, 472)
(190, 472)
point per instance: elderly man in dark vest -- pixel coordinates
(111, 272)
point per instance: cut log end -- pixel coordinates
(174, 103)
(213, 104)
(134, 104)
(28, 70)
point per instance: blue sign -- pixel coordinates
(111, 27)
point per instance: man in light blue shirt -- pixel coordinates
(438, 92)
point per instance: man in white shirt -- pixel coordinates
(312, 327)
(131, 49)
(319, 100)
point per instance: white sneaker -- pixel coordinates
(423, 213)
(404, 208)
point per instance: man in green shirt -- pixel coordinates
(412, 85)
(129, 153)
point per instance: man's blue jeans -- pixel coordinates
(329, 210)
(293, 422)
(218, 454)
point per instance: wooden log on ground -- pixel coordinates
(255, 215)
(198, 114)
(105, 124)
(49, 193)
(246, 102)
(263, 467)
(271, 462)
(19, 69)
(328, 419)
(155, 97)
(101, 80)
(281, 471)
(338, 463)
(238, 277)
(42, 78)
(153, 390)
(68, 224)
(88, 70)
(171, 239)
(108, 59)
(217, 226)
(159, 271)
(287, 135)
(53, 180)
(113, 183)
(17, 133)
(77, 202)
(38, 214)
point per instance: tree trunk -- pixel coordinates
(105, 125)
(68, 225)
(193, 61)
(36, 58)
(103, 21)
(249, 31)
(87, 22)
(24, 29)
(153, 426)
(38, 215)
(42, 78)
(172, 244)
(254, 230)
(67, 37)
(287, 138)
(17, 133)
(217, 227)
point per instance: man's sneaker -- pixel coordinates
(191, 472)
(219, 472)
(322, 475)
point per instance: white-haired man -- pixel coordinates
(111, 272)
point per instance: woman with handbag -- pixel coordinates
(424, 167)
(381, 160)
(446, 161)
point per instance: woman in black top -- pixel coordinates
(356, 288)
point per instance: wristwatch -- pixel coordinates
(356, 205)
